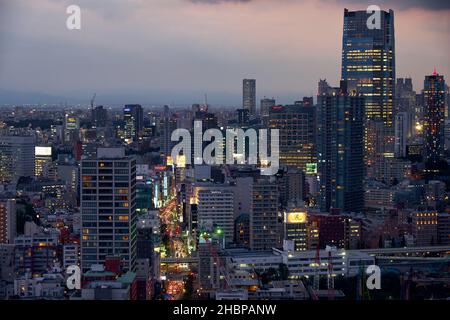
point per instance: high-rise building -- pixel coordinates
(340, 151)
(368, 65)
(215, 208)
(133, 116)
(7, 220)
(99, 116)
(264, 215)
(405, 101)
(425, 228)
(266, 105)
(243, 117)
(402, 125)
(249, 95)
(434, 116)
(43, 159)
(297, 125)
(168, 124)
(108, 208)
(16, 155)
(295, 228)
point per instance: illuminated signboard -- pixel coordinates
(311, 168)
(43, 151)
(71, 122)
(181, 161)
(296, 217)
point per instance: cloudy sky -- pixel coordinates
(175, 51)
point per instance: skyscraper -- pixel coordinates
(133, 116)
(99, 116)
(167, 125)
(249, 95)
(16, 155)
(264, 215)
(108, 208)
(402, 125)
(434, 116)
(340, 151)
(368, 66)
(297, 125)
(266, 104)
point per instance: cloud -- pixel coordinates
(398, 4)
(218, 1)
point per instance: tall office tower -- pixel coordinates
(16, 155)
(297, 125)
(43, 160)
(401, 125)
(266, 105)
(7, 220)
(133, 116)
(264, 215)
(99, 116)
(447, 96)
(295, 228)
(434, 116)
(108, 208)
(167, 125)
(405, 101)
(249, 95)
(368, 65)
(340, 151)
(215, 208)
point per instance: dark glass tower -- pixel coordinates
(368, 66)
(133, 116)
(340, 150)
(368, 62)
(249, 95)
(434, 116)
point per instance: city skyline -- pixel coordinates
(178, 64)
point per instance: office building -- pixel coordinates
(368, 66)
(264, 215)
(16, 155)
(99, 116)
(340, 151)
(42, 161)
(297, 132)
(108, 208)
(249, 95)
(133, 117)
(402, 129)
(8, 220)
(434, 117)
(266, 105)
(295, 228)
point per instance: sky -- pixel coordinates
(174, 51)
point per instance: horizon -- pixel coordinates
(210, 53)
